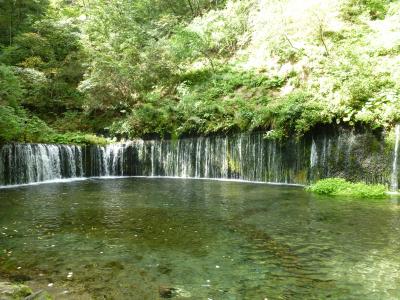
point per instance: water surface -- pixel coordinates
(128, 238)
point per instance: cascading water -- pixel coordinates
(26, 163)
(394, 177)
(244, 156)
(314, 155)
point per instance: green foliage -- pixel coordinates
(217, 33)
(77, 138)
(28, 45)
(17, 125)
(297, 112)
(224, 100)
(128, 54)
(376, 9)
(188, 45)
(363, 92)
(341, 187)
(147, 119)
(128, 46)
(11, 124)
(47, 62)
(356, 78)
(170, 68)
(285, 51)
(10, 88)
(17, 16)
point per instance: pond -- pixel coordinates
(143, 238)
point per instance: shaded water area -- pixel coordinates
(127, 238)
(358, 156)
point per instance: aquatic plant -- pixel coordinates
(342, 187)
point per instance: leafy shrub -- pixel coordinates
(296, 113)
(205, 102)
(16, 125)
(219, 32)
(10, 88)
(154, 116)
(77, 138)
(11, 124)
(376, 9)
(28, 45)
(356, 89)
(341, 187)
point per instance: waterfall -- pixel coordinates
(247, 157)
(394, 176)
(314, 155)
(26, 163)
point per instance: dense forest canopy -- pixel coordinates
(71, 69)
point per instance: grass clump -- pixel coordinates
(342, 187)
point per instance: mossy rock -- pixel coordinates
(9, 291)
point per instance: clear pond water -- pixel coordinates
(130, 238)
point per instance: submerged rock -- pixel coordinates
(180, 292)
(164, 269)
(170, 292)
(166, 292)
(40, 295)
(12, 291)
(114, 265)
(9, 291)
(20, 278)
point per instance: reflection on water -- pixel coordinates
(130, 238)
